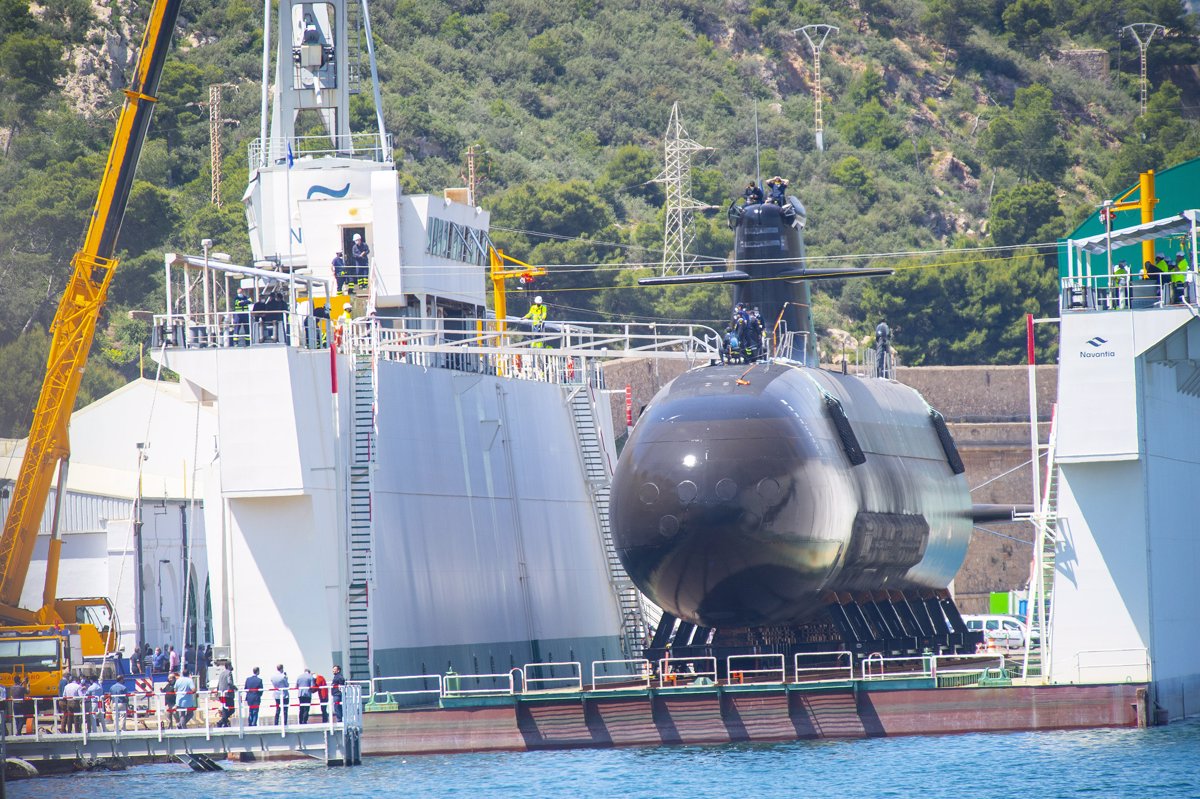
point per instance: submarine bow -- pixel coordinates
(745, 496)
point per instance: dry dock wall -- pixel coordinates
(749, 714)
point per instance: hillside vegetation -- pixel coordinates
(951, 126)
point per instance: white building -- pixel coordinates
(176, 437)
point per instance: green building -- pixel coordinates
(1177, 189)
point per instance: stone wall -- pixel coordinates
(1089, 63)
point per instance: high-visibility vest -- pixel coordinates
(1179, 271)
(537, 313)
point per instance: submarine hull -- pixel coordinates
(744, 497)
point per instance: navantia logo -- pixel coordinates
(1096, 343)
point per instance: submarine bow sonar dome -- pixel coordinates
(744, 496)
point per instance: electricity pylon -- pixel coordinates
(1142, 33)
(816, 36)
(679, 230)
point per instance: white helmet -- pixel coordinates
(357, 237)
(537, 300)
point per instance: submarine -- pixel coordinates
(776, 494)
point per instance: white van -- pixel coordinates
(1005, 631)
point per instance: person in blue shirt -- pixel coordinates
(185, 697)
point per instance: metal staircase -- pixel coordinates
(599, 477)
(1038, 641)
(361, 524)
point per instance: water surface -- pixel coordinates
(1159, 762)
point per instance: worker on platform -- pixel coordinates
(754, 335)
(253, 697)
(778, 189)
(226, 694)
(537, 317)
(753, 193)
(339, 271)
(1178, 277)
(361, 253)
(1162, 272)
(335, 691)
(185, 699)
(279, 681)
(241, 319)
(1120, 289)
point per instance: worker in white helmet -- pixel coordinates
(537, 316)
(360, 256)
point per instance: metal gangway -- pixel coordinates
(145, 726)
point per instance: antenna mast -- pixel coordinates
(679, 229)
(816, 36)
(757, 152)
(1138, 30)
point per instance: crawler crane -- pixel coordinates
(42, 643)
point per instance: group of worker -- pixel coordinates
(776, 192)
(85, 701)
(743, 336)
(353, 272)
(1167, 274)
(267, 313)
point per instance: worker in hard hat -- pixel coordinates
(360, 255)
(537, 317)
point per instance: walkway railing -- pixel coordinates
(169, 714)
(263, 152)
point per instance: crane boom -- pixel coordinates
(74, 328)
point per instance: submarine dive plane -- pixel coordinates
(777, 502)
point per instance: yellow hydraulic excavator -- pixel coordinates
(71, 634)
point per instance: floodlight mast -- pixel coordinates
(816, 36)
(1142, 33)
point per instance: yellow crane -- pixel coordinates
(66, 623)
(498, 274)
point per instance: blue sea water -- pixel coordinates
(1105, 764)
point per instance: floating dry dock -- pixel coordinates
(925, 701)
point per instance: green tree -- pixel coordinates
(964, 310)
(1027, 213)
(870, 127)
(29, 67)
(950, 21)
(631, 171)
(1031, 23)
(23, 361)
(1027, 138)
(856, 178)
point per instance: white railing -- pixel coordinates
(636, 670)
(239, 329)
(379, 687)
(820, 672)
(1113, 292)
(1132, 664)
(263, 152)
(774, 674)
(165, 713)
(452, 684)
(672, 671)
(876, 667)
(572, 682)
(402, 337)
